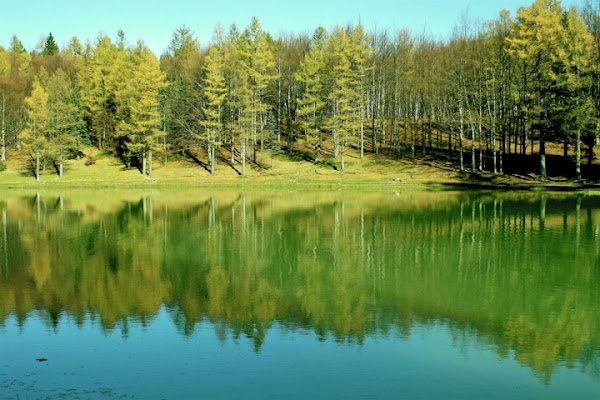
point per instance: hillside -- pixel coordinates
(374, 171)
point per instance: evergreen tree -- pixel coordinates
(50, 46)
(260, 68)
(575, 83)
(360, 54)
(102, 87)
(310, 105)
(34, 136)
(214, 93)
(535, 43)
(19, 59)
(343, 93)
(182, 95)
(140, 123)
(239, 99)
(66, 117)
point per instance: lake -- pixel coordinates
(199, 294)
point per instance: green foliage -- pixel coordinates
(34, 137)
(378, 162)
(104, 154)
(138, 128)
(214, 95)
(2, 166)
(311, 75)
(50, 46)
(103, 90)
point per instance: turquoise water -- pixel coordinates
(228, 295)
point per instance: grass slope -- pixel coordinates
(375, 171)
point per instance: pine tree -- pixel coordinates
(343, 94)
(102, 86)
(34, 137)
(65, 115)
(575, 83)
(535, 43)
(4, 63)
(182, 95)
(261, 64)
(214, 93)
(140, 123)
(360, 54)
(3, 127)
(50, 46)
(310, 105)
(239, 98)
(19, 59)
(272, 139)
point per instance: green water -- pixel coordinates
(299, 295)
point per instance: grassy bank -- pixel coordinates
(373, 172)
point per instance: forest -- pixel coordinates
(491, 96)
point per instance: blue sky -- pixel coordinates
(155, 21)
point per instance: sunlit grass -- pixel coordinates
(298, 171)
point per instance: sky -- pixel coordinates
(154, 21)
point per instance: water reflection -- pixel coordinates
(517, 273)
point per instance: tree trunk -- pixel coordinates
(335, 138)
(374, 110)
(405, 125)
(362, 141)
(342, 158)
(254, 144)
(460, 138)
(578, 155)
(37, 166)
(472, 125)
(3, 128)
(232, 146)
(212, 159)
(243, 156)
(492, 114)
(262, 133)
(60, 168)
(149, 162)
(480, 137)
(542, 160)
(165, 139)
(423, 135)
(144, 162)
(215, 148)
(501, 152)
(412, 131)
(382, 114)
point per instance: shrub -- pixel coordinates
(90, 160)
(2, 166)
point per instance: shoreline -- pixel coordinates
(308, 185)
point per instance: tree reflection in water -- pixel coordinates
(517, 272)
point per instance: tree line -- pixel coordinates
(512, 85)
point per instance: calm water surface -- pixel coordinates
(295, 295)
